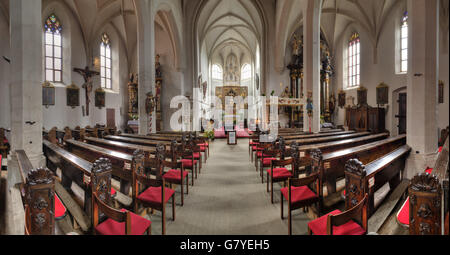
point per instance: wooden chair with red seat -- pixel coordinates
(3, 144)
(176, 175)
(195, 154)
(278, 173)
(180, 154)
(253, 141)
(269, 153)
(155, 194)
(353, 221)
(204, 146)
(118, 222)
(301, 192)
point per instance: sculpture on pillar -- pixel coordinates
(87, 86)
(158, 92)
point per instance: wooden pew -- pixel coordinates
(361, 179)
(121, 162)
(317, 140)
(137, 141)
(86, 175)
(127, 148)
(38, 196)
(152, 137)
(306, 136)
(428, 195)
(332, 165)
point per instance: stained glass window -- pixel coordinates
(354, 61)
(404, 43)
(105, 62)
(246, 72)
(217, 73)
(53, 49)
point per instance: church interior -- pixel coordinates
(213, 117)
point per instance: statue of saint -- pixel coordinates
(296, 45)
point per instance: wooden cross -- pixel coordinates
(87, 75)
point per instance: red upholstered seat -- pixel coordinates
(259, 154)
(174, 175)
(111, 227)
(440, 149)
(113, 192)
(279, 173)
(319, 226)
(60, 209)
(268, 161)
(188, 162)
(153, 195)
(196, 155)
(254, 143)
(298, 194)
(255, 148)
(403, 214)
(202, 148)
(203, 144)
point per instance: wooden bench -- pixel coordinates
(332, 165)
(429, 198)
(38, 195)
(152, 137)
(86, 175)
(121, 162)
(306, 136)
(361, 179)
(137, 141)
(121, 146)
(326, 139)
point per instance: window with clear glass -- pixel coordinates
(217, 73)
(404, 44)
(53, 49)
(354, 61)
(105, 62)
(246, 72)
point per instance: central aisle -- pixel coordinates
(228, 198)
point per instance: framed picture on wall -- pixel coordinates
(73, 96)
(48, 94)
(100, 98)
(382, 94)
(341, 99)
(362, 96)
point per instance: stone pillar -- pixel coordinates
(146, 64)
(423, 71)
(311, 61)
(26, 32)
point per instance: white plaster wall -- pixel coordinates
(5, 115)
(384, 71)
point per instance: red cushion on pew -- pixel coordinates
(60, 209)
(279, 173)
(174, 175)
(203, 144)
(153, 195)
(188, 162)
(403, 214)
(254, 143)
(298, 194)
(113, 192)
(440, 149)
(196, 156)
(256, 148)
(112, 227)
(319, 226)
(268, 161)
(202, 148)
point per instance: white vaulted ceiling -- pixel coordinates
(229, 26)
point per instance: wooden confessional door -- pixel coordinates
(110, 117)
(401, 113)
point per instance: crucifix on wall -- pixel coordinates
(87, 86)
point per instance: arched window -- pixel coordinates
(404, 43)
(354, 64)
(53, 49)
(105, 62)
(246, 72)
(217, 73)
